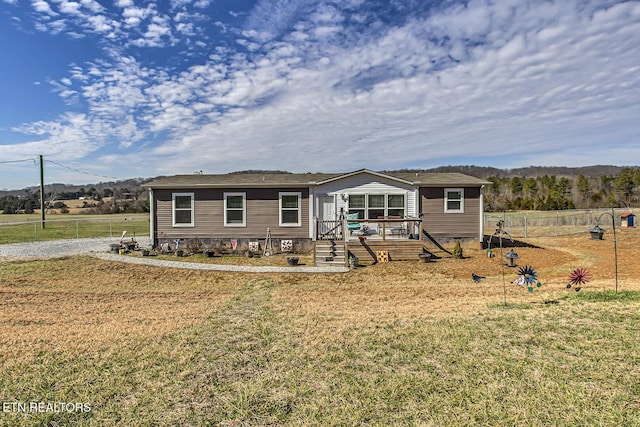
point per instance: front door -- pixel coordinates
(327, 208)
(327, 214)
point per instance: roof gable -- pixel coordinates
(363, 171)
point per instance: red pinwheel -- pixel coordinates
(578, 277)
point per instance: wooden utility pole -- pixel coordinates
(42, 224)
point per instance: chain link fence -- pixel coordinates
(551, 223)
(74, 228)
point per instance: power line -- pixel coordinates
(35, 162)
(83, 172)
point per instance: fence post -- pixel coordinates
(35, 231)
(557, 223)
(110, 229)
(525, 227)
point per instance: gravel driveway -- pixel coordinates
(99, 248)
(60, 248)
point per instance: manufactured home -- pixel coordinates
(356, 211)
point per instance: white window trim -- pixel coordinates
(244, 209)
(290, 224)
(173, 209)
(446, 200)
(405, 206)
(386, 207)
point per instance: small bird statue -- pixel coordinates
(476, 278)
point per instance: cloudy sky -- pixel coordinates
(132, 88)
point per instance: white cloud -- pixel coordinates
(72, 136)
(92, 6)
(69, 7)
(100, 23)
(41, 6)
(133, 16)
(123, 3)
(325, 86)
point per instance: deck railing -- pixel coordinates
(377, 229)
(329, 230)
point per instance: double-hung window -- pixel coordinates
(396, 205)
(290, 209)
(454, 200)
(235, 209)
(374, 206)
(182, 209)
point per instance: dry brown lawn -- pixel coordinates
(87, 303)
(410, 290)
(391, 343)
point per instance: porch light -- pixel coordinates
(511, 257)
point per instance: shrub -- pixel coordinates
(457, 251)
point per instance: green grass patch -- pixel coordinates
(72, 226)
(606, 296)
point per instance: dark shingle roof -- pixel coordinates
(305, 179)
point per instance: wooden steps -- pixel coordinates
(330, 252)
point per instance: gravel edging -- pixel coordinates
(216, 267)
(97, 247)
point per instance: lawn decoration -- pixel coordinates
(477, 278)
(579, 276)
(286, 245)
(527, 276)
(499, 233)
(382, 256)
(268, 244)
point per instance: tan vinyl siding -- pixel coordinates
(262, 211)
(450, 225)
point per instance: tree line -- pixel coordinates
(532, 188)
(103, 201)
(552, 187)
(550, 192)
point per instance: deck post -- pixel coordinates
(345, 230)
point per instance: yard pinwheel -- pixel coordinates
(579, 276)
(527, 277)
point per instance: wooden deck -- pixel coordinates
(398, 250)
(378, 235)
(338, 252)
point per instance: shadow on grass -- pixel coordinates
(506, 243)
(512, 306)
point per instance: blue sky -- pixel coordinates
(130, 88)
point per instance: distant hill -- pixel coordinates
(132, 184)
(527, 172)
(484, 172)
